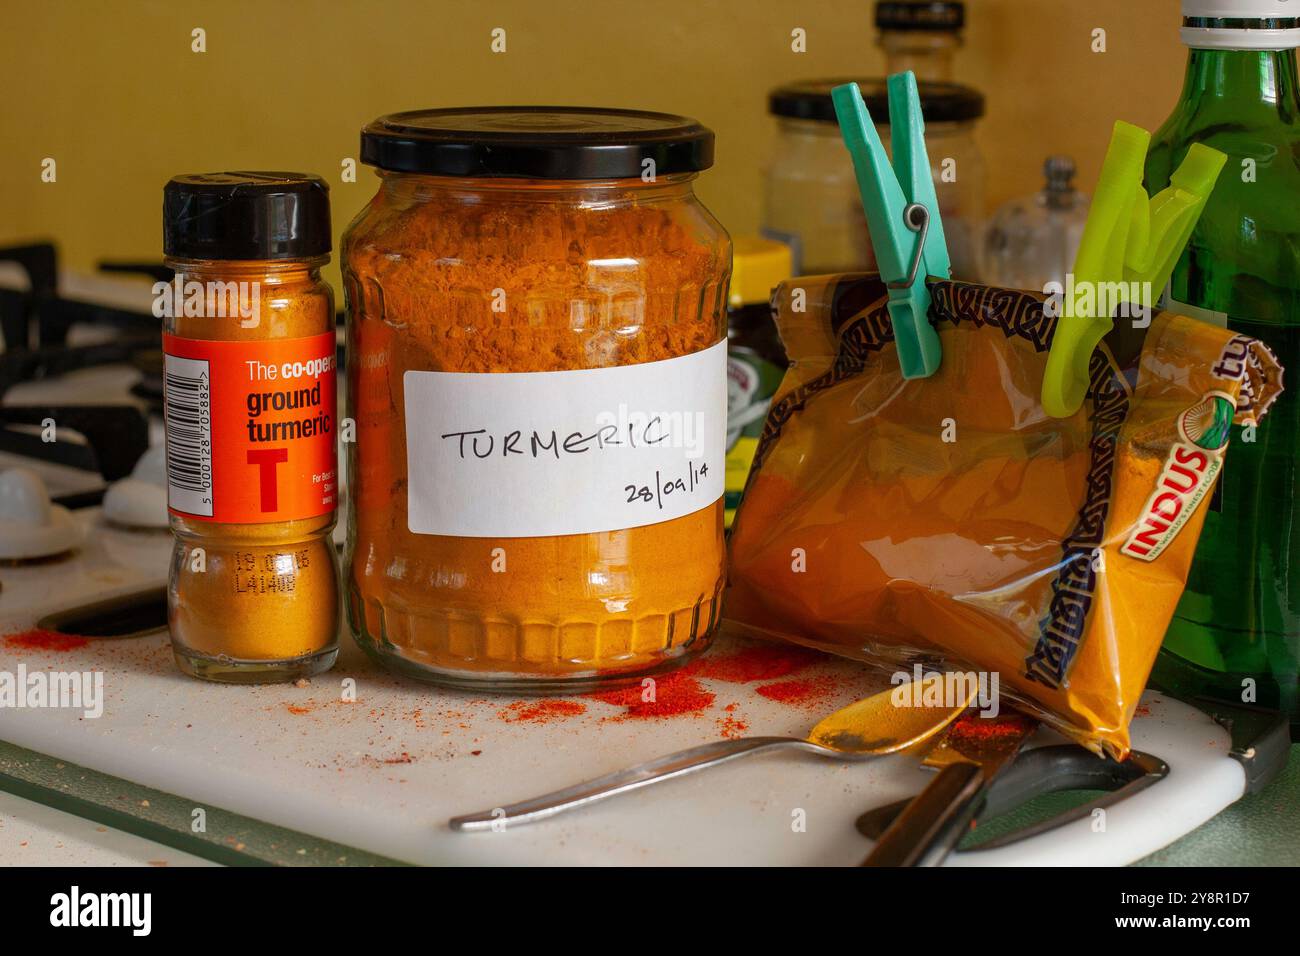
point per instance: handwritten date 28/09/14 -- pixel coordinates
(664, 486)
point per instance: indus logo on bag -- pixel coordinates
(1187, 477)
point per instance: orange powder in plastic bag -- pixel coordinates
(951, 520)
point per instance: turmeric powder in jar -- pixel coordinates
(537, 371)
(251, 422)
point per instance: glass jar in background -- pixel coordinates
(921, 36)
(537, 371)
(1032, 240)
(810, 195)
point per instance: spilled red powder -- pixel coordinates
(975, 728)
(681, 693)
(760, 662)
(541, 711)
(731, 726)
(1142, 711)
(674, 694)
(295, 709)
(801, 691)
(38, 639)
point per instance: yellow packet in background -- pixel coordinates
(951, 519)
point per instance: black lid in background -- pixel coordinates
(940, 102)
(536, 142)
(246, 215)
(940, 15)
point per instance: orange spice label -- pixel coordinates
(251, 428)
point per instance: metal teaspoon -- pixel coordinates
(871, 727)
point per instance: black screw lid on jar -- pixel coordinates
(246, 215)
(939, 15)
(940, 102)
(537, 142)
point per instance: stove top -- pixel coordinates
(80, 406)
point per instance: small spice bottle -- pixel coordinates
(537, 370)
(250, 414)
(756, 360)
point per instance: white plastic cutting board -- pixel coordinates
(32, 834)
(386, 772)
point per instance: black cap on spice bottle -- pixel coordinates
(811, 100)
(939, 15)
(537, 142)
(246, 215)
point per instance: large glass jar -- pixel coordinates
(537, 372)
(810, 195)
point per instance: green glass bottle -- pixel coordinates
(1236, 633)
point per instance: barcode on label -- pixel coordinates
(187, 416)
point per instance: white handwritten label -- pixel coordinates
(532, 454)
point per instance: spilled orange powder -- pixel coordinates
(541, 711)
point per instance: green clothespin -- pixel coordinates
(1128, 238)
(902, 213)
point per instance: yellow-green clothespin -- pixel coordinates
(1127, 239)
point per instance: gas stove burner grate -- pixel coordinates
(40, 316)
(116, 436)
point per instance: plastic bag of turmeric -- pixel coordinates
(949, 519)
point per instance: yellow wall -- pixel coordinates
(114, 94)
